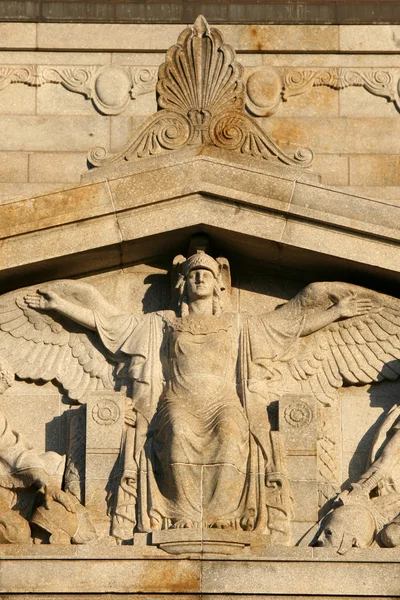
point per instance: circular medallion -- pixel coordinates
(105, 412)
(298, 414)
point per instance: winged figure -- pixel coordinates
(198, 450)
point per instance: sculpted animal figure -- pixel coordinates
(198, 450)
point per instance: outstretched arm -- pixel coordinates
(48, 300)
(344, 308)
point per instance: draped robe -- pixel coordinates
(202, 451)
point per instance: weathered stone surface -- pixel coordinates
(211, 425)
(18, 35)
(48, 166)
(13, 167)
(51, 133)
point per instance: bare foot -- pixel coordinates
(223, 524)
(248, 521)
(185, 524)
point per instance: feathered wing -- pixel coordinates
(47, 346)
(353, 351)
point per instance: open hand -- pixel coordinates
(42, 299)
(352, 305)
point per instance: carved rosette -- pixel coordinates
(201, 100)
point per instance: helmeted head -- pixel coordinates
(201, 276)
(348, 526)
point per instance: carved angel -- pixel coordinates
(198, 450)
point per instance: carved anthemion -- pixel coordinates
(201, 100)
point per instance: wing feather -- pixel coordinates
(354, 351)
(41, 346)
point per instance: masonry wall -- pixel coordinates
(65, 88)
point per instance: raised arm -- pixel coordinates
(344, 308)
(48, 300)
(321, 304)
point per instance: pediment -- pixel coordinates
(265, 212)
(199, 164)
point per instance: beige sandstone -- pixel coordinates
(212, 402)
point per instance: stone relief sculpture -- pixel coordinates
(369, 514)
(201, 99)
(197, 451)
(46, 506)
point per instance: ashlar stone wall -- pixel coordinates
(65, 88)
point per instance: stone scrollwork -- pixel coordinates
(268, 87)
(109, 87)
(201, 99)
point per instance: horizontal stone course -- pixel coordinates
(375, 170)
(56, 166)
(336, 135)
(58, 133)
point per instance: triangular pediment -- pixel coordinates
(200, 164)
(266, 213)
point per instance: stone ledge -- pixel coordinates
(281, 571)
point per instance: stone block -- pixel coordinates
(354, 465)
(56, 100)
(36, 417)
(106, 36)
(56, 166)
(299, 577)
(375, 170)
(369, 38)
(317, 102)
(305, 496)
(18, 99)
(356, 102)
(302, 467)
(54, 58)
(290, 38)
(18, 36)
(313, 237)
(359, 420)
(343, 209)
(151, 59)
(334, 169)
(337, 136)
(52, 133)
(385, 194)
(13, 167)
(47, 211)
(12, 192)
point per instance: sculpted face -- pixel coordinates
(200, 284)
